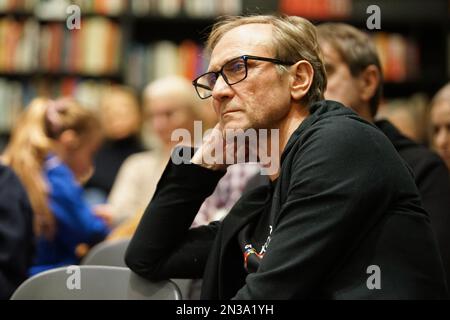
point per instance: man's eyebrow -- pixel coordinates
(215, 68)
(221, 65)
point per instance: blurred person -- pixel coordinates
(440, 123)
(16, 232)
(120, 117)
(402, 119)
(328, 212)
(408, 116)
(169, 104)
(355, 79)
(51, 150)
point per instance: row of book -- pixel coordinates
(190, 8)
(17, 5)
(27, 46)
(399, 55)
(55, 9)
(11, 96)
(317, 9)
(148, 62)
(15, 95)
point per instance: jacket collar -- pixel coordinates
(317, 110)
(248, 207)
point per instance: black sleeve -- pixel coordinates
(16, 233)
(335, 176)
(434, 186)
(163, 245)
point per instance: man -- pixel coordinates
(355, 79)
(440, 123)
(16, 233)
(328, 214)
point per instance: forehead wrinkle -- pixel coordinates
(247, 40)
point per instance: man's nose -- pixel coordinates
(221, 90)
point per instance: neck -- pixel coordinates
(291, 123)
(286, 127)
(60, 152)
(365, 113)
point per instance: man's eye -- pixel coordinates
(211, 79)
(236, 67)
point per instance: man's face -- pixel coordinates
(440, 121)
(263, 99)
(342, 86)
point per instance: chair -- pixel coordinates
(112, 253)
(94, 283)
(107, 253)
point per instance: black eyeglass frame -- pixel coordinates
(220, 72)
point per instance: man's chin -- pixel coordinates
(235, 124)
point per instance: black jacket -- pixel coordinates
(432, 179)
(344, 201)
(16, 233)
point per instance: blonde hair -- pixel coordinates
(294, 39)
(34, 136)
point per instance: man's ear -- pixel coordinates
(369, 79)
(70, 139)
(302, 80)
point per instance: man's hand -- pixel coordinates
(222, 148)
(210, 153)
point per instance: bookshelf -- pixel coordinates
(135, 41)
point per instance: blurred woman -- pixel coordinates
(51, 150)
(120, 117)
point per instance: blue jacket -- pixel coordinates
(75, 221)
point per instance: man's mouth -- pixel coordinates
(229, 111)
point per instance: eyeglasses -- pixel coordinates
(233, 71)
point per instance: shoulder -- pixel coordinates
(346, 133)
(333, 122)
(60, 178)
(337, 144)
(57, 170)
(142, 158)
(420, 156)
(7, 176)
(10, 185)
